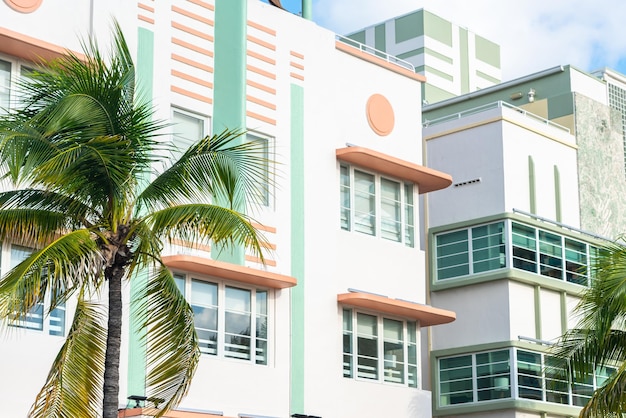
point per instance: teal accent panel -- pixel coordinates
(531, 185)
(307, 9)
(487, 51)
(409, 26)
(464, 60)
(557, 194)
(380, 40)
(136, 379)
(297, 248)
(561, 105)
(438, 28)
(358, 36)
(229, 94)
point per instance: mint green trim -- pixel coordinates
(537, 301)
(229, 93)
(487, 51)
(487, 77)
(425, 69)
(464, 60)
(297, 249)
(380, 41)
(437, 28)
(531, 185)
(564, 315)
(307, 9)
(561, 105)
(136, 379)
(438, 55)
(557, 194)
(409, 26)
(358, 36)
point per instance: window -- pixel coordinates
(262, 187)
(375, 205)
(5, 85)
(474, 378)
(488, 376)
(187, 129)
(231, 321)
(379, 349)
(34, 320)
(488, 247)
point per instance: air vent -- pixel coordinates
(468, 182)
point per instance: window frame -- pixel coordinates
(16, 68)
(221, 312)
(386, 366)
(266, 191)
(405, 205)
(204, 120)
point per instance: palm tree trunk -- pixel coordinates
(110, 402)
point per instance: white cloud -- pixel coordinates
(533, 34)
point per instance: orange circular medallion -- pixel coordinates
(380, 114)
(24, 6)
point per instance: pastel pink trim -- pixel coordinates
(380, 114)
(24, 6)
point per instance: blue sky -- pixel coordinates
(533, 34)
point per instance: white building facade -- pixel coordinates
(333, 319)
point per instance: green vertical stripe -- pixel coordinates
(531, 185)
(557, 193)
(563, 312)
(229, 93)
(538, 331)
(307, 9)
(297, 248)
(380, 41)
(136, 349)
(464, 60)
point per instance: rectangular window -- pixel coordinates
(225, 317)
(187, 129)
(386, 349)
(5, 85)
(375, 205)
(34, 320)
(263, 185)
(474, 378)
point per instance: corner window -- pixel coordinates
(231, 321)
(379, 349)
(375, 205)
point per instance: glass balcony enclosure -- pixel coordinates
(512, 244)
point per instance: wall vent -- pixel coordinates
(468, 182)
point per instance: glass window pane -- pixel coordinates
(238, 299)
(344, 197)
(187, 130)
(180, 283)
(203, 293)
(5, 85)
(550, 255)
(391, 218)
(488, 249)
(524, 247)
(364, 203)
(529, 375)
(409, 216)
(452, 254)
(455, 380)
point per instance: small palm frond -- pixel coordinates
(172, 345)
(202, 223)
(70, 262)
(219, 166)
(608, 398)
(74, 384)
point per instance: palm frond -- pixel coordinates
(74, 384)
(68, 263)
(172, 345)
(202, 223)
(218, 166)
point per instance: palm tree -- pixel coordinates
(599, 339)
(80, 151)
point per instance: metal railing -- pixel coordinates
(494, 105)
(377, 53)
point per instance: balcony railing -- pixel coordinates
(488, 106)
(375, 52)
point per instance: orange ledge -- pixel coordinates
(151, 412)
(426, 178)
(426, 315)
(229, 271)
(379, 61)
(29, 48)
